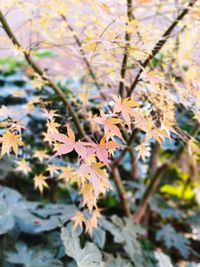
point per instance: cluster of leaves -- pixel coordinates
(99, 144)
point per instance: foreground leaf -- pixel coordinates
(89, 256)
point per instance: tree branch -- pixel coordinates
(41, 73)
(87, 63)
(160, 44)
(121, 191)
(126, 50)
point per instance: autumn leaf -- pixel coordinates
(52, 126)
(92, 222)
(10, 141)
(40, 182)
(110, 127)
(97, 176)
(78, 219)
(70, 176)
(50, 114)
(23, 166)
(102, 149)
(41, 155)
(69, 144)
(16, 125)
(143, 149)
(88, 196)
(125, 106)
(52, 169)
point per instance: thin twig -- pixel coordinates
(87, 63)
(42, 74)
(159, 45)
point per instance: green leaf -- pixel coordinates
(32, 257)
(90, 255)
(163, 260)
(126, 233)
(53, 215)
(116, 262)
(172, 239)
(99, 237)
(12, 209)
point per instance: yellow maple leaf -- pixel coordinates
(23, 166)
(69, 176)
(10, 141)
(93, 221)
(52, 126)
(78, 219)
(52, 169)
(41, 155)
(88, 196)
(40, 182)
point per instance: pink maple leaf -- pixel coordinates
(69, 144)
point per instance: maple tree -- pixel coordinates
(138, 77)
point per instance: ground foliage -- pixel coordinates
(100, 134)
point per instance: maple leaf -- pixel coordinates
(91, 224)
(97, 176)
(52, 126)
(16, 126)
(88, 196)
(50, 114)
(10, 141)
(23, 166)
(52, 169)
(101, 149)
(41, 155)
(109, 124)
(69, 144)
(125, 106)
(40, 182)
(143, 149)
(93, 221)
(78, 219)
(69, 176)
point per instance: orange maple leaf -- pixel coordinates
(102, 149)
(125, 106)
(78, 219)
(110, 127)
